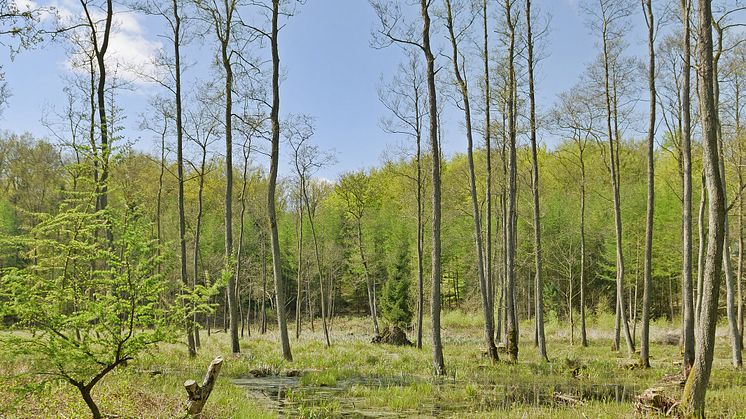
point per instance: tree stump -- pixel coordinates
(197, 395)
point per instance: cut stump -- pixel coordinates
(197, 395)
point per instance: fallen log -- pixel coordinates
(197, 395)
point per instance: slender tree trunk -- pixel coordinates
(368, 279)
(739, 171)
(180, 173)
(264, 284)
(701, 252)
(688, 291)
(488, 155)
(614, 167)
(583, 333)
(300, 259)
(274, 161)
(324, 301)
(438, 362)
(420, 236)
(239, 250)
(727, 264)
(228, 120)
(693, 398)
(512, 319)
(648, 275)
(538, 292)
(483, 286)
(197, 234)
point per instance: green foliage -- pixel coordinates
(395, 301)
(86, 304)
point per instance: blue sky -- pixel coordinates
(331, 73)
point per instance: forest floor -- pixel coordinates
(359, 379)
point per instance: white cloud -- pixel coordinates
(131, 51)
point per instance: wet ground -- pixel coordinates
(289, 396)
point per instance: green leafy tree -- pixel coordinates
(86, 305)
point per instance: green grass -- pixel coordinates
(365, 378)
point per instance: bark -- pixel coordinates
(539, 287)
(99, 53)
(317, 253)
(687, 287)
(647, 263)
(438, 362)
(242, 216)
(488, 153)
(736, 358)
(583, 333)
(183, 270)
(264, 284)
(223, 32)
(300, 259)
(198, 394)
(197, 236)
(420, 234)
(372, 306)
(700, 251)
(512, 320)
(274, 161)
(483, 286)
(693, 398)
(614, 168)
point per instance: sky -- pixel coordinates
(330, 72)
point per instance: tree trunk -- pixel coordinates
(274, 161)
(693, 398)
(614, 168)
(583, 333)
(539, 287)
(198, 394)
(231, 286)
(324, 305)
(180, 171)
(512, 320)
(488, 155)
(648, 275)
(727, 265)
(687, 287)
(483, 286)
(438, 362)
(264, 285)
(300, 258)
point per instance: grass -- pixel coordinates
(354, 376)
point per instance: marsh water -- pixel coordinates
(289, 396)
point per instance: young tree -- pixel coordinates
(224, 22)
(391, 31)
(693, 398)
(355, 191)
(647, 287)
(459, 72)
(610, 19)
(85, 321)
(511, 325)
(539, 287)
(576, 114)
(308, 159)
(687, 288)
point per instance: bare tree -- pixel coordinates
(538, 292)
(693, 398)
(308, 159)
(610, 19)
(459, 71)
(686, 140)
(393, 30)
(647, 287)
(404, 97)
